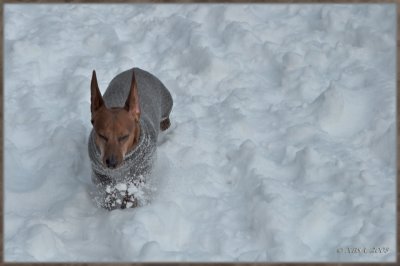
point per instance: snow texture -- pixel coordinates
(281, 147)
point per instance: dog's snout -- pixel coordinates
(111, 161)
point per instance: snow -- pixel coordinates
(281, 148)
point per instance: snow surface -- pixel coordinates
(282, 144)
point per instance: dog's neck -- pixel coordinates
(136, 138)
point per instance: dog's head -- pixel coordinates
(117, 129)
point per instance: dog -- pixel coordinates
(122, 144)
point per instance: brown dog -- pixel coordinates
(117, 128)
(126, 122)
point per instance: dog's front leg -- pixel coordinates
(129, 201)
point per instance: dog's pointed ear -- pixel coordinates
(96, 98)
(132, 102)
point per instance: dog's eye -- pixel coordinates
(123, 138)
(103, 137)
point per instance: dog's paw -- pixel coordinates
(165, 124)
(129, 201)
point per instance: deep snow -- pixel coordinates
(282, 144)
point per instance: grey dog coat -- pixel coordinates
(155, 103)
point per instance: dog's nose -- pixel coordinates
(111, 162)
